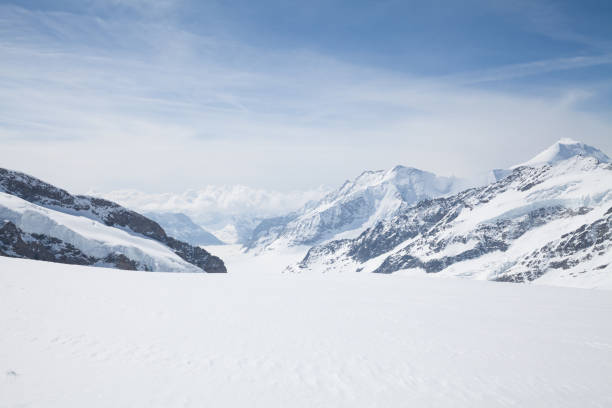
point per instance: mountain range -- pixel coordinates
(549, 218)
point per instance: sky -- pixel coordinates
(171, 95)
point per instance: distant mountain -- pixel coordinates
(354, 207)
(182, 227)
(549, 221)
(41, 221)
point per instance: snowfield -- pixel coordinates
(73, 336)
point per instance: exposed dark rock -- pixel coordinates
(18, 244)
(121, 261)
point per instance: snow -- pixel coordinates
(76, 336)
(91, 237)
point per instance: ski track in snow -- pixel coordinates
(75, 336)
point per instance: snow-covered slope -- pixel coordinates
(553, 220)
(182, 227)
(355, 206)
(93, 239)
(41, 221)
(74, 336)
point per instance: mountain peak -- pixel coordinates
(564, 149)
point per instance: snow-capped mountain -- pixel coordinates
(558, 151)
(41, 221)
(563, 150)
(182, 227)
(547, 221)
(354, 207)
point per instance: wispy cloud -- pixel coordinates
(532, 68)
(153, 105)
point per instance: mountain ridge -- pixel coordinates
(355, 205)
(40, 194)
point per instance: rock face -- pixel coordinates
(18, 244)
(534, 221)
(589, 243)
(357, 205)
(45, 195)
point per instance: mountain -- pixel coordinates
(41, 221)
(182, 227)
(549, 221)
(354, 207)
(558, 151)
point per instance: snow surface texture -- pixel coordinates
(76, 336)
(354, 207)
(180, 226)
(229, 212)
(550, 220)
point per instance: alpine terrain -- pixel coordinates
(549, 219)
(354, 207)
(41, 221)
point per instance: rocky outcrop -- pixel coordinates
(18, 244)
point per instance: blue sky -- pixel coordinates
(174, 94)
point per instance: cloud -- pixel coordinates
(97, 103)
(227, 210)
(533, 68)
(233, 200)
